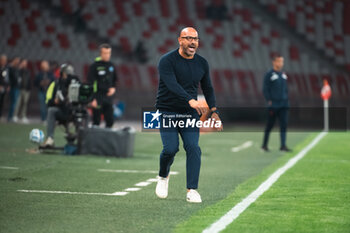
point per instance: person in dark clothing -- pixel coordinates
(102, 76)
(180, 72)
(57, 102)
(14, 86)
(140, 53)
(42, 82)
(217, 10)
(79, 22)
(25, 85)
(275, 91)
(4, 80)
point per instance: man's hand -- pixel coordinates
(198, 106)
(216, 117)
(111, 91)
(269, 102)
(57, 101)
(94, 103)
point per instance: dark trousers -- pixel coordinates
(14, 93)
(42, 104)
(282, 115)
(2, 99)
(106, 109)
(170, 140)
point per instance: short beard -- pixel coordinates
(185, 51)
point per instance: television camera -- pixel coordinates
(79, 96)
(74, 99)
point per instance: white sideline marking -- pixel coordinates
(132, 189)
(152, 180)
(134, 171)
(143, 184)
(75, 193)
(11, 168)
(230, 216)
(125, 192)
(119, 193)
(242, 147)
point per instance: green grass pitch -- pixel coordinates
(313, 196)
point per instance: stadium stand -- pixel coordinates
(31, 32)
(238, 48)
(322, 22)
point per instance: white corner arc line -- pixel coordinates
(245, 145)
(10, 168)
(230, 216)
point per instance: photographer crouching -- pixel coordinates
(57, 102)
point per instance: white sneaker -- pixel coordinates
(15, 119)
(193, 196)
(25, 120)
(162, 187)
(49, 142)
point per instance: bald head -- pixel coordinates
(3, 60)
(15, 62)
(188, 41)
(187, 31)
(45, 66)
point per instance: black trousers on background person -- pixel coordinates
(2, 99)
(282, 115)
(105, 108)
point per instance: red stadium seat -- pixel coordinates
(164, 8)
(137, 7)
(87, 16)
(63, 40)
(124, 41)
(46, 43)
(24, 4)
(31, 24)
(92, 46)
(67, 8)
(102, 10)
(153, 23)
(317, 20)
(294, 53)
(12, 42)
(50, 29)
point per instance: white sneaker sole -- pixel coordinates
(188, 200)
(161, 196)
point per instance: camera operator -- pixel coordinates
(103, 77)
(57, 101)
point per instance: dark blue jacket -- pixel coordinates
(275, 88)
(4, 76)
(179, 79)
(47, 76)
(14, 77)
